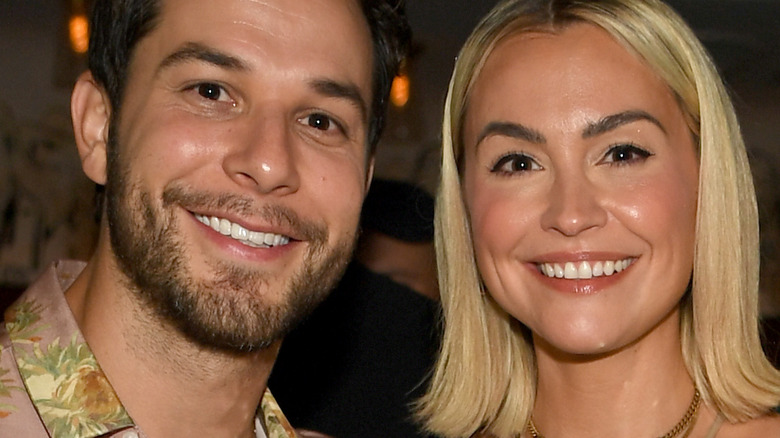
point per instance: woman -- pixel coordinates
(597, 234)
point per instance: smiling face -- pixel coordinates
(580, 179)
(237, 165)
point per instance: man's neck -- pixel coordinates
(169, 385)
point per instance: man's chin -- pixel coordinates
(238, 321)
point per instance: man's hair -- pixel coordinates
(118, 25)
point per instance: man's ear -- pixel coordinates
(370, 172)
(91, 113)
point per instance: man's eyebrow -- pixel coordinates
(509, 129)
(198, 52)
(348, 91)
(614, 121)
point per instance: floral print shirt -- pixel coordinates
(50, 382)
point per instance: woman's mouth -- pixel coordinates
(584, 269)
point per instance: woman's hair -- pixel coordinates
(485, 379)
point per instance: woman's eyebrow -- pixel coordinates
(614, 121)
(513, 130)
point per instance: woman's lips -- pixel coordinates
(584, 269)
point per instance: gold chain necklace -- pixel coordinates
(686, 422)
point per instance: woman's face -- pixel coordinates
(580, 178)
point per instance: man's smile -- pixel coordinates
(255, 239)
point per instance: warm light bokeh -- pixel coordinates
(399, 93)
(78, 28)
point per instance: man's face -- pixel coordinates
(237, 166)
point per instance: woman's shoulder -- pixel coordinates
(766, 426)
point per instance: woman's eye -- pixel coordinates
(213, 92)
(513, 163)
(625, 154)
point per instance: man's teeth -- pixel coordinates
(584, 270)
(251, 238)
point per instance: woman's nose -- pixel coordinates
(573, 205)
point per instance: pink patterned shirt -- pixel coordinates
(50, 382)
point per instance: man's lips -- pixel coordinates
(283, 226)
(255, 239)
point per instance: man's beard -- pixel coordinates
(229, 311)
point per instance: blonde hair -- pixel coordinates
(485, 378)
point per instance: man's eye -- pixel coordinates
(625, 154)
(513, 163)
(321, 122)
(212, 92)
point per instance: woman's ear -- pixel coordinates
(91, 113)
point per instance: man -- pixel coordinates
(234, 139)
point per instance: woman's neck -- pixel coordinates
(641, 390)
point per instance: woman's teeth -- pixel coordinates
(254, 239)
(584, 270)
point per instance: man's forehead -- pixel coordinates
(333, 28)
(278, 13)
(332, 34)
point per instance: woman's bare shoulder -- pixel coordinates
(767, 426)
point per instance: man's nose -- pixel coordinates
(265, 157)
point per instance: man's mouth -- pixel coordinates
(255, 239)
(583, 270)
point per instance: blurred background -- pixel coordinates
(46, 204)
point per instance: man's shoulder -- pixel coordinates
(22, 325)
(18, 417)
(48, 375)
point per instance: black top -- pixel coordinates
(353, 368)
